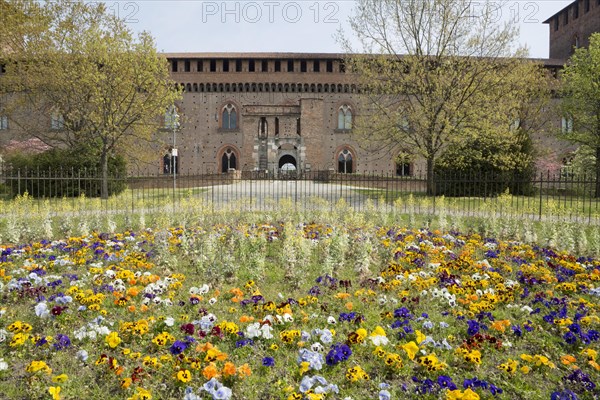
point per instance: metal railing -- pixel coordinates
(543, 196)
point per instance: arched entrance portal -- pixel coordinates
(287, 166)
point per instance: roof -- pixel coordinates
(549, 62)
(272, 55)
(559, 12)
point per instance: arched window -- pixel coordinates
(345, 117)
(229, 117)
(170, 163)
(228, 161)
(403, 169)
(345, 162)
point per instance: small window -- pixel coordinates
(556, 23)
(187, 66)
(566, 17)
(586, 6)
(213, 65)
(567, 125)
(345, 162)
(251, 66)
(290, 67)
(277, 66)
(238, 65)
(263, 128)
(3, 122)
(276, 125)
(57, 121)
(403, 169)
(200, 66)
(229, 117)
(225, 65)
(265, 66)
(342, 67)
(174, 65)
(317, 66)
(228, 161)
(576, 10)
(329, 66)
(302, 66)
(298, 127)
(345, 117)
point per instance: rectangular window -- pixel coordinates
(303, 66)
(291, 65)
(297, 126)
(187, 67)
(329, 66)
(342, 67)
(225, 65)
(200, 66)
(317, 66)
(57, 121)
(277, 66)
(265, 66)
(586, 6)
(174, 65)
(576, 10)
(238, 65)
(566, 17)
(556, 23)
(3, 122)
(213, 65)
(251, 66)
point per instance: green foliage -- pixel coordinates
(64, 173)
(432, 81)
(486, 166)
(581, 100)
(77, 62)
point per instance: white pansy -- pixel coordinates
(41, 310)
(169, 321)
(331, 320)
(3, 365)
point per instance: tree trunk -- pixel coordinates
(104, 164)
(430, 181)
(597, 191)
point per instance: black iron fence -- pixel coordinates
(474, 194)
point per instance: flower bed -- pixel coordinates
(296, 312)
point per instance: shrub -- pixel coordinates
(63, 173)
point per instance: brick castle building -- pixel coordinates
(274, 111)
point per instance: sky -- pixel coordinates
(307, 26)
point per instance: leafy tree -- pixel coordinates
(439, 73)
(76, 75)
(581, 100)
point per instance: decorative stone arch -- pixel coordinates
(326, 88)
(201, 87)
(188, 87)
(341, 105)
(345, 159)
(225, 109)
(195, 87)
(228, 157)
(312, 88)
